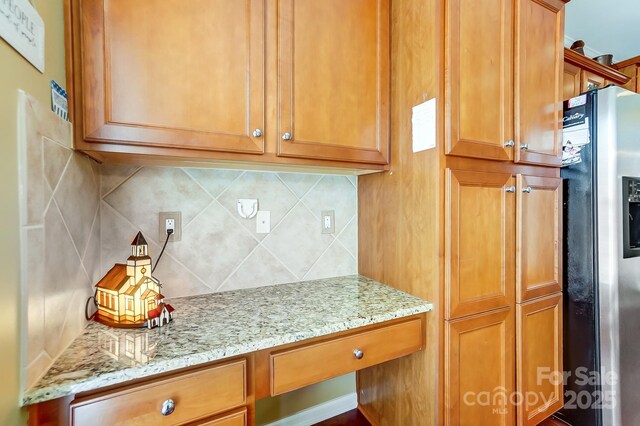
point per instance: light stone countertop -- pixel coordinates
(220, 325)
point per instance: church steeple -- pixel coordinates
(139, 247)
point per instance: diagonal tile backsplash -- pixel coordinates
(219, 250)
(78, 218)
(60, 236)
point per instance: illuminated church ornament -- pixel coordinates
(128, 296)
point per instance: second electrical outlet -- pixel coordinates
(328, 221)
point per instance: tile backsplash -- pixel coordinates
(219, 250)
(78, 218)
(60, 235)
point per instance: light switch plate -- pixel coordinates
(263, 222)
(177, 233)
(328, 221)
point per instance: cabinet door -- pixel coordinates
(571, 81)
(539, 65)
(157, 73)
(630, 71)
(591, 81)
(538, 237)
(333, 80)
(480, 215)
(479, 370)
(539, 358)
(479, 90)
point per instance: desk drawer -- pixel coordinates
(302, 366)
(234, 419)
(196, 395)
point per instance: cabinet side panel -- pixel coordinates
(399, 222)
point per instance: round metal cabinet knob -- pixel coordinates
(257, 133)
(528, 190)
(358, 353)
(287, 136)
(510, 189)
(509, 144)
(168, 407)
(524, 146)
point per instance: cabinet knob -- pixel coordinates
(510, 189)
(524, 146)
(168, 407)
(257, 133)
(527, 189)
(287, 136)
(509, 144)
(358, 353)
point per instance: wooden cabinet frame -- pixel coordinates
(524, 90)
(454, 359)
(455, 305)
(526, 290)
(95, 86)
(458, 143)
(296, 147)
(527, 349)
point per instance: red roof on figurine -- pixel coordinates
(154, 313)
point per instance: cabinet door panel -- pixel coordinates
(539, 65)
(333, 79)
(157, 73)
(480, 228)
(538, 237)
(591, 81)
(539, 358)
(479, 89)
(571, 81)
(479, 370)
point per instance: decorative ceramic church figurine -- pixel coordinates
(128, 296)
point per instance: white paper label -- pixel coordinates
(423, 123)
(22, 27)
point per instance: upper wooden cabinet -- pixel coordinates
(582, 74)
(539, 70)
(571, 81)
(630, 68)
(294, 82)
(156, 73)
(334, 79)
(479, 90)
(538, 237)
(501, 105)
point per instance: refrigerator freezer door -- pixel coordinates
(620, 277)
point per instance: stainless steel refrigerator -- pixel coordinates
(602, 258)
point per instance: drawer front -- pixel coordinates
(196, 395)
(234, 419)
(298, 367)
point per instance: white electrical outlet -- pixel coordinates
(169, 225)
(328, 221)
(170, 220)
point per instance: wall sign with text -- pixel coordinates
(22, 27)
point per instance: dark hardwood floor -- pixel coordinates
(355, 418)
(350, 418)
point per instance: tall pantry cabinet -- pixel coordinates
(486, 204)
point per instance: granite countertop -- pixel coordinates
(220, 325)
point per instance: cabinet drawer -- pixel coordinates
(298, 367)
(196, 395)
(238, 418)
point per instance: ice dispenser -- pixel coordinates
(631, 216)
